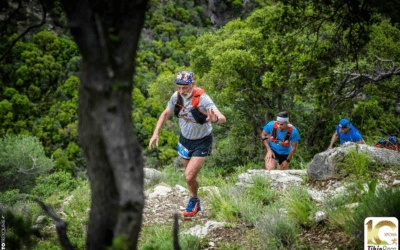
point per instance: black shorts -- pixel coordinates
(279, 158)
(195, 148)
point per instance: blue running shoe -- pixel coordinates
(193, 207)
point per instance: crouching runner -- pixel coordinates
(281, 139)
(196, 111)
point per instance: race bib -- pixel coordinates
(182, 151)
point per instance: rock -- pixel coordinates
(36, 227)
(40, 219)
(283, 178)
(201, 232)
(211, 244)
(320, 216)
(152, 174)
(352, 205)
(396, 183)
(180, 188)
(62, 214)
(160, 191)
(323, 164)
(68, 199)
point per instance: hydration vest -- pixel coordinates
(384, 144)
(286, 140)
(199, 116)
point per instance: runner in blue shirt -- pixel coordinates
(281, 139)
(346, 132)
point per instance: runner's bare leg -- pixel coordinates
(192, 167)
(270, 165)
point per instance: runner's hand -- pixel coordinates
(153, 139)
(284, 165)
(269, 156)
(211, 116)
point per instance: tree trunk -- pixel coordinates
(107, 34)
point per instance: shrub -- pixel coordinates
(19, 232)
(159, 237)
(300, 205)
(22, 159)
(357, 165)
(337, 210)
(280, 230)
(62, 164)
(262, 191)
(385, 203)
(53, 183)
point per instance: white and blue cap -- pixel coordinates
(184, 78)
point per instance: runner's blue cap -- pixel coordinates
(344, 123)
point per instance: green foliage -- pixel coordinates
(262, 191)
(72, 151)
(9, 197)
(62, 164)
(300, 206)
(278, 229)
(19, 233)
(384, 204)
(22, 159)
(58, 153)
(371, 188)
(167, 156)
(160, 237)
(47, 42)
(53, 183)
(357, 164)
(338, 208)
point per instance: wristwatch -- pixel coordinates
(288, 160)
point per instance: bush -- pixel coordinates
(300, 205)
(280, 230)
(62, 164)
(358, 165)
(53, 183)
(19, 232)
(159, 237)
(385, 203)
(22, 159)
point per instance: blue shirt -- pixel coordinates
(277, 146)
(353, 135)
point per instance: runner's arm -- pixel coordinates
(160, 123)
(334, 138)
(221, 117)
(264, 137)
(292, 150)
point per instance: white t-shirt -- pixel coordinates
(192, 130)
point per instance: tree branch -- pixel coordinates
(60, 225)
(26, 31)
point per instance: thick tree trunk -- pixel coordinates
(107, 34)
